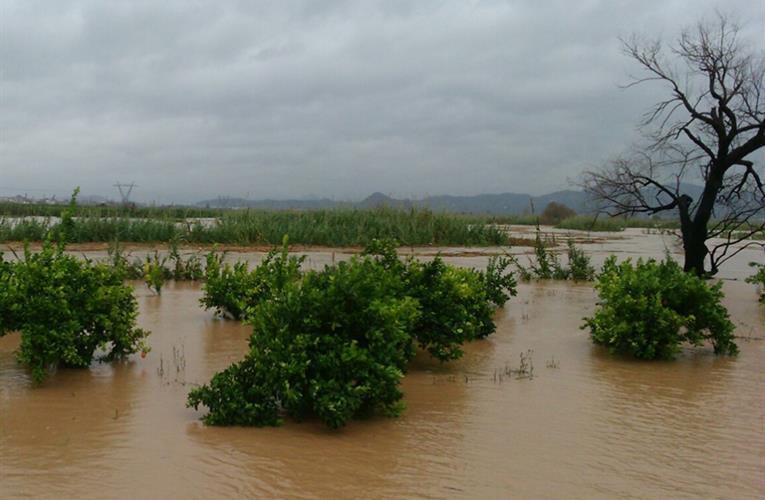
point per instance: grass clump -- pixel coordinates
(547, 266)
(155, 269)
(649, 309)
(334, 344)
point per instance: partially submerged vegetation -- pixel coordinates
(758, 278)
(649, 309)
(546, 264)
(338, 227)
(15, 209)
(155, 269)
(233, 290)
(67, 309)
(335, 343)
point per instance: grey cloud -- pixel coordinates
(332, 98)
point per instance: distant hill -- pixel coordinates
(491, 204)
(505, 203)
(495, 204)
(224, 202)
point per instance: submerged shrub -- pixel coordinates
(66, 309)
(188, 269)
(547, 266)
(579, 265)
(456, 304)
(758, 278)
(154, 272)
(7, 321)
(233, 289)
(648, 309)
(335, 343)
(120, 263)
(227, 288)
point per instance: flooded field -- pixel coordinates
(586, 425)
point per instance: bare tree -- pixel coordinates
(705, 131)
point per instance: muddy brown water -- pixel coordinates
(586, 425)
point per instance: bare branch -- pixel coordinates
(705, 130)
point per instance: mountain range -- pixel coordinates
(494, 204)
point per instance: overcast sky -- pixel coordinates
(283, 99)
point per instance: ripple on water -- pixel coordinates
(593, 425)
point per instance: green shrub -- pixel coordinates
(579, 266)
(500, 284)
(227, 288)
(335, 343)
(649, 309)
(7, 322)
(456, 304)
(758, 278)
(66, 309)
(232, 289)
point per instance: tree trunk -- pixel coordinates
(695, 254)
(694, 238)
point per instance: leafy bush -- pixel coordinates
(758, 278)
(649, 309)
(232, 290)
(500, 284)
(579, 265)
(335, 343)
(66, 309)
(7, 322)
(456, 304)
(227, 288)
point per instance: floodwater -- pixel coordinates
(586, 425)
